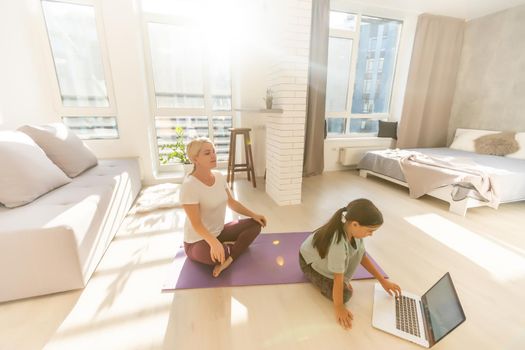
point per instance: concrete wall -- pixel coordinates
(490, 91)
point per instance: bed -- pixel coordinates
(508, 173)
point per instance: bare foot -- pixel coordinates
(219, 268)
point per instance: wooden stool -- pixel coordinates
(234, 167)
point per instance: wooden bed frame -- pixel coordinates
(443, 193)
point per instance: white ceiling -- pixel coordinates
(467, 9)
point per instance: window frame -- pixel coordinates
(49, 59)
(155, 111)
(359, 12)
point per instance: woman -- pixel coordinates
(204, 197)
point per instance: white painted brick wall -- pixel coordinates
(288, 79)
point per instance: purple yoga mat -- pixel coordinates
(271, 259)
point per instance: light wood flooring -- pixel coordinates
(122, 306)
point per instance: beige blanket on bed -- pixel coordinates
(425, 173)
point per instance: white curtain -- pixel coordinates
(431, 82)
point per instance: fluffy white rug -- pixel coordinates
(157, 197)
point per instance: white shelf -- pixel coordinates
(260, 110)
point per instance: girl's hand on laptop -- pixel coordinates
(391, 288)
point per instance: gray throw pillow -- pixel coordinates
(387, 129)
(497, 144)
(26, 173)
(63, 147)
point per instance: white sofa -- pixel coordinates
(54, 243)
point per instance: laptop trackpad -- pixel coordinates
(384, 314)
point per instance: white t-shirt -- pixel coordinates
(212, 202)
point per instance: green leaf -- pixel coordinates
(175, 150)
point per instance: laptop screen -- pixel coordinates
(443, 308)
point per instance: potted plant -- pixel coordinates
(269, 98)
(175, 151)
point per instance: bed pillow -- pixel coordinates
(63, 147)
(520, 154)
(497, 144)
(26, 172)
(464, 138)
(387, 129)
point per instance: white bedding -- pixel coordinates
(508, 172)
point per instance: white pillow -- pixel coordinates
(25, 171)
(520, 137)
(63, 147)
(464, 138)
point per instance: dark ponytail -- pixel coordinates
(324, 235)
(362, 210)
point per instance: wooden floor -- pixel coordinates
(122, 306)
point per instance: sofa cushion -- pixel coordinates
(81, 205)
(26, 173)
(62, 235)
(63, 147)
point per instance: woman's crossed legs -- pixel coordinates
(241, 233)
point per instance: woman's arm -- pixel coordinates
(194, 215)
(390, 287)
(237, 207)
(343, 315)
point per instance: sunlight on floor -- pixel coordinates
(239, 313)
(116, 332)
(503, 264)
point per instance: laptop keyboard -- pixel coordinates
(406, 315)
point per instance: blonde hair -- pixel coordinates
(194, 147)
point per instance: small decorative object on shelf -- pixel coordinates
(269, 98)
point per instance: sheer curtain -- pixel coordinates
(431, 82)
(315, 112)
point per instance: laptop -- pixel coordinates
(423, 320)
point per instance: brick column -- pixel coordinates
(288, 80)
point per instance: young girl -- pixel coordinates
(204, 196)
(331, 254)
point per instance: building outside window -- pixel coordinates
(361, 67)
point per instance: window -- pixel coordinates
(89, 128)
(380, 65)
(361, 66)
(338, 73)
(80, 69)
(191, 83)
(368, 86)
(370, 65)
(343, 20)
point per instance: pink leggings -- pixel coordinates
(242, 232)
